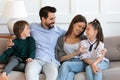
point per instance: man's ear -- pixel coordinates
(43, 19)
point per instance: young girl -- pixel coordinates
(94, 57)
(22, 51)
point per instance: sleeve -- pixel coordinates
(7, 53)
(31, 48)
(61, 31)
(59, 51)
(84, 55)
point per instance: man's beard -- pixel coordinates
(50, 26)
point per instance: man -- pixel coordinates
(45, 35)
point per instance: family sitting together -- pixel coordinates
(43, 47)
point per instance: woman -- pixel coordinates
(68, 50)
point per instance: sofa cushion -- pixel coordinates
(80, 76)
(112, 73)
(16, 75)
(113, 46)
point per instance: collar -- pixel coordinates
(92, 41)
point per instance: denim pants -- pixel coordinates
(96, 76)
(14, 63)
(34, 68)
(69, 68)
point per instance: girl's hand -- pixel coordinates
(94, 67)
(29, 60)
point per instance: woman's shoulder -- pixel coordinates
(61, 38)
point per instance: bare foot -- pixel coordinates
(3, 76)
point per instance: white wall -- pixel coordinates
(107, 11)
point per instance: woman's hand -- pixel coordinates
(81, 50)
(104, 51)
(29, 60)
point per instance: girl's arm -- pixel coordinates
(99, 59)
(101, 53)
(93, 64)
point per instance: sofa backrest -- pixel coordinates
(3, 44)
(111, 43)
(113, 46)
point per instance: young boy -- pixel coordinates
(22, 51)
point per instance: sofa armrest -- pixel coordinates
(3, 44)
(1, 66)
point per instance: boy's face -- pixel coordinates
(26, 32)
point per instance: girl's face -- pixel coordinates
(26, 32)
(78, 28)
(90, 32)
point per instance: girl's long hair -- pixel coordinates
(97, 26)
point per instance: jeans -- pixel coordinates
(96, 76)
(34, 68)
(69, 68)
(14, 63)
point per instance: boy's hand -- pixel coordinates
(29, 60)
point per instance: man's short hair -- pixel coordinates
(45, 10)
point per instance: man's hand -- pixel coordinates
(29, 60)
(9, 44)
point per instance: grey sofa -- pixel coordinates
(113, 73)
(113, 54)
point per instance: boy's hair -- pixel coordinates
(19, 27)
(97, 26)
(45, 10)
